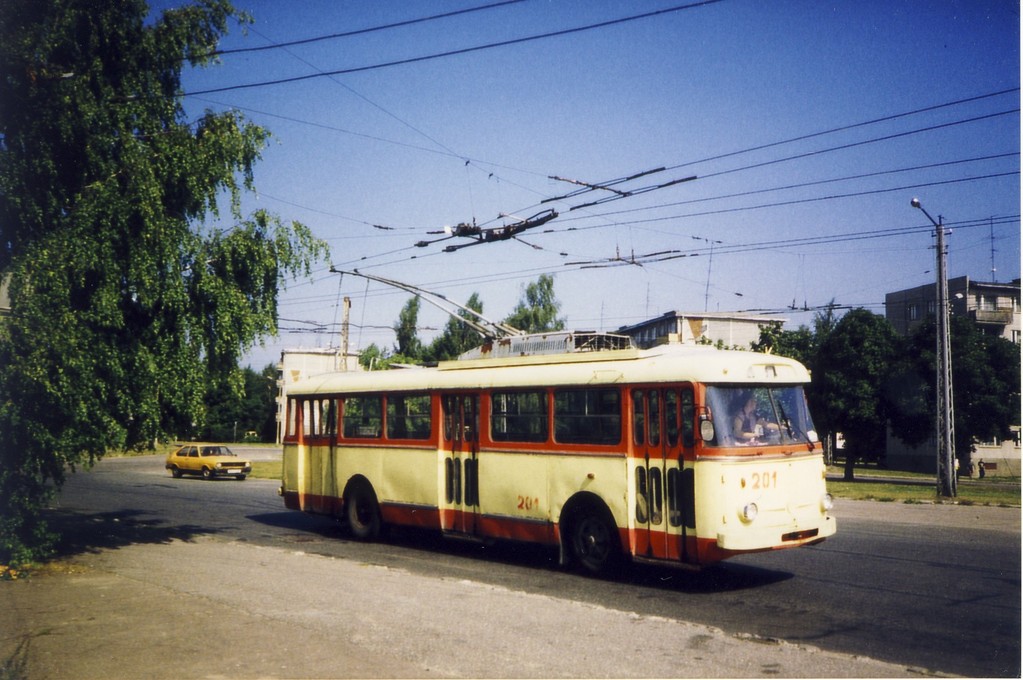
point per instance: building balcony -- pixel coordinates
(1000, 317)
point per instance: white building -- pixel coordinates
(728, 329)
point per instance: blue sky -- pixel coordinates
(714, 91)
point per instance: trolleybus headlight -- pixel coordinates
(827, 502)
(749, 512)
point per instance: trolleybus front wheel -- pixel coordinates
(362, 511)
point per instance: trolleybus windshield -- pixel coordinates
(758, 415)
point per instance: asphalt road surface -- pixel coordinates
(935, 587)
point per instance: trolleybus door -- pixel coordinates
(662, 430)
(460, 502)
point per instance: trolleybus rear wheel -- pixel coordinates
(594, 541)
(362, 511)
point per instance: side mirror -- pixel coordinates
(706, 427)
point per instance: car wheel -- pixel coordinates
(241, 478)
(207, 473)
(175, 473)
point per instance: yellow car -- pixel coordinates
(208, 460)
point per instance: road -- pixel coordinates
(936, 587)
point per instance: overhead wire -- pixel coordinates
(455, 52)
(797, 156)
(365, 31)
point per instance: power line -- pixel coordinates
(800, 156)
(852, 126)
(364, 31)
(802, 185)
(761, 206)
(458, 52)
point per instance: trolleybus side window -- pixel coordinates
(409, 416)
(588, 416)
(450, 418)
(638, 419)
(646, 417)
(362, 417)
(687, 415)
(656, 495)
(671, 418)
(328, 417)
(518, 416)
(679, 413)
(653, 418)
(319, 417)
(293, 405)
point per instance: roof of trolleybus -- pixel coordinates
(663, 364)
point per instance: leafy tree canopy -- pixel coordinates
(851, 368)
(537, 311)
(985, 386)
(126, 304)
(457, 337)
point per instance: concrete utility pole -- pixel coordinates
(347, 307)
(946, 474)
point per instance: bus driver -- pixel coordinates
(747, 426)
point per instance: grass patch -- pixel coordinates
(266, 469)
(977, 493)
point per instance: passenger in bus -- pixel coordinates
(747, 426)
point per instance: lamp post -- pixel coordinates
(946, 473)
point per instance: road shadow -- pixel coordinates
(85, 533)
(725, 577)
(717, 578)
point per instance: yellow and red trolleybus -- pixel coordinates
(677, 454)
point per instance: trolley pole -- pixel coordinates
(946, 472)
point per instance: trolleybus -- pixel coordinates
(677, 454)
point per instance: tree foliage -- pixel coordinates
(457, 337)
(232, 415)
(126, 304)
(852, 365)
(537, 311)
(985, 386)
(406, 331)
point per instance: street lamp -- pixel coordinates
(946, 474)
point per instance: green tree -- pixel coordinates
(409, 346)
(231, 414)
(798, 344)
(373, 358)
(537, 311)
(985, 387)
(457, 337)
(125, 304)
(853, 363)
